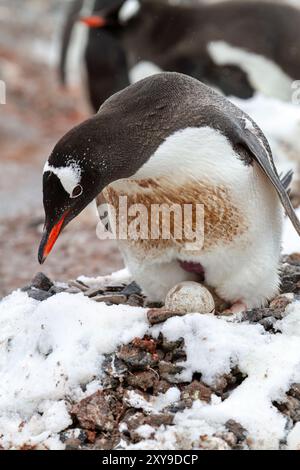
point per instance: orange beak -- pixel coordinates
(93, 21)
(49, 240)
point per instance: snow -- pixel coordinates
(121, 276)
(145, 431)
(293, 440)
(48, 350)
(187, 429)
(270, 363)
(158, 403)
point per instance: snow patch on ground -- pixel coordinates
(48, 351)
(121, 276)
(271, 363)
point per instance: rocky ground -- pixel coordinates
(121, 413)
(38, 111)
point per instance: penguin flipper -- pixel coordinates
(262, 155)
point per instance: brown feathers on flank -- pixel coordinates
(222, 220)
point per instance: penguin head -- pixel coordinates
(114, 144)
(79, 167)
(113, 16)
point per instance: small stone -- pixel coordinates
(228, 437)
(136, 359)
(175, 407)
(291, 408)
(255, 315)
(237, 429)
(268, 323)
(159, 315)
(39, 294)
(131, 289)
(162, 386)
(135, 300)
(94, 412)
(115, 288)
(281, 302)
(213, 443)
(196, 391)
(295, 390)
(114, 367)
(143, 380)
(91, 436)
(57, 290)
(42, 282)
(73, 434)
(167, 369)
(80, 285)
(146, 343)
(189, 297)
(93, 291)
(115, 299)
(171, 345)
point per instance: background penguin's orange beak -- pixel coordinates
(49, 239)
(93, 21)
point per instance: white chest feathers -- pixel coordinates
(198, 154)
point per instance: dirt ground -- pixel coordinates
(38, 111)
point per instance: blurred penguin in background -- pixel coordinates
(239, 47)
(97, 49)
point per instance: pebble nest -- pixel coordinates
(149, 366)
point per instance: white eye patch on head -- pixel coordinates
(69, 176)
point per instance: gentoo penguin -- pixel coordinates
(104, 61)
(238, 47)
(169, 139)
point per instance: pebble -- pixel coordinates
(39, 294)
(131, 289)
(135, 358)
(196, 390)
(159, 315)
(189, 297)
(116, 299)
(93, 291)
(79, 285)
(95, 412)
(237, 429)
(74, 433)
(42, 282)
(144, 380)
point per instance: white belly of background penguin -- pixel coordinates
(169, 139)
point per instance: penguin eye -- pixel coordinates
(77, 191)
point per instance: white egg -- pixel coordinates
(189, 297)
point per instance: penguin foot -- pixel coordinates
(237, 307)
